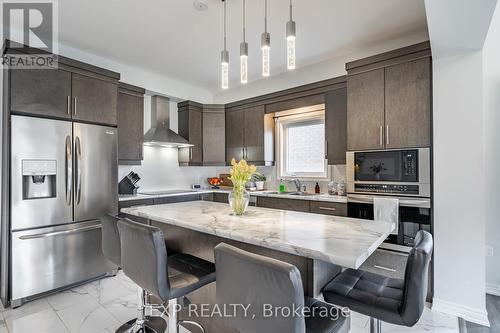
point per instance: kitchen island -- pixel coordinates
(318, 245)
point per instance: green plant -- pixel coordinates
(258, 177)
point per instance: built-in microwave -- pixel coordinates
(404, 172)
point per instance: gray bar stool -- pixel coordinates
(144, 261)
(111, 248)
(395, 301)
(250, 279)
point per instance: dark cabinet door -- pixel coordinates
(214, 136)
(365, 110)
(42, 92)
(130, 128)
(235, 133)
(297, 205)
(336, 126)
(408, 104)
(254, 134)
(191, 128)
(94, 100)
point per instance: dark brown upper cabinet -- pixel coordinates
(336, 126)
(389, 100)
(74, 90)
(203, 125)
(190, 120)
(250, 135)
(408, 104)
(94, 100)
(42, 92)
(235, 135)
(365, 110)
(214, 134)
(130, 124)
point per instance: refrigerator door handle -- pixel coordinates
(69, 170)
(78, 161)
(64, 232)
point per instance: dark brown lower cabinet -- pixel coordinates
(220, 197)
(328, 208)
(286, 204)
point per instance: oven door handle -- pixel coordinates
(419, 203)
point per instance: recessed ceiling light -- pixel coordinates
(200, 5)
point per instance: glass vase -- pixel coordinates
(238, 200)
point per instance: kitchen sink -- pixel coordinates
(305, 194)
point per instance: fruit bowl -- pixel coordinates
(215, 182)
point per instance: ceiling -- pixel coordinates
(171, 38)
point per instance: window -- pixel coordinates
(301, 145)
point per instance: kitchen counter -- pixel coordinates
(311, 197)
(347, 242)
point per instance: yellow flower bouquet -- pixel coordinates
(241, 173)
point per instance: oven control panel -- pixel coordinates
(387, 188)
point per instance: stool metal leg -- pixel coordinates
(375, 325)
(173, 325)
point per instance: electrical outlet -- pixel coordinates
(489, 251)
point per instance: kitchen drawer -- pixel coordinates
(328, 208)
(221, 197)
(183, 198)
(286, 204)
(133, 203)
(386, 263)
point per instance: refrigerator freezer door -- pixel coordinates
(40, 172)
(95, 171)
(50, 258)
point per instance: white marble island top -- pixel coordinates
(347, 242)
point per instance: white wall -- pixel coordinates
(491, 73)
(321, 71)
(459, 206)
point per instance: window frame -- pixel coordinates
(317, 115)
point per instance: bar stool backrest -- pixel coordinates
(111, 247)
(144, 257)
(248, 279)
(416, 278)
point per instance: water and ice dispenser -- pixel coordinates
(39, 179)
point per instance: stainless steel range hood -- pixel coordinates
(160, 134)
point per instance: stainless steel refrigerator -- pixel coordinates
(63, 179)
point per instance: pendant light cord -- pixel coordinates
(290, 10)
(224, 25)
(244, 20)
(265, 15)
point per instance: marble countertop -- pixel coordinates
(312, 197)
(343, 241)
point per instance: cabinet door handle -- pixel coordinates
(327, 208)
(75, 102)
(384, 268)
(387, 141)
(190, 153)
(68, 106)
(381, 135)
(326, 149)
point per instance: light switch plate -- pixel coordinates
(489, 251)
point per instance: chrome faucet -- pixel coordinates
(298, 184)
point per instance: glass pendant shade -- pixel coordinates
(244, 62)
(266, 54)
(225, 69)
(290, 45)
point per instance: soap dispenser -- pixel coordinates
(282, 186)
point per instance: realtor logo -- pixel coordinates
(31, 28)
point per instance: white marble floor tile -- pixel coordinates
(27, 309)
(107, 289)
(45, 321)
(67, 298)
(3, 325)
(358, 319)
(125, 281)
(88, 316)
(123, 309)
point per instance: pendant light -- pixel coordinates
(290, 41)
(225, 57)
(266, 46)
(244, 50)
